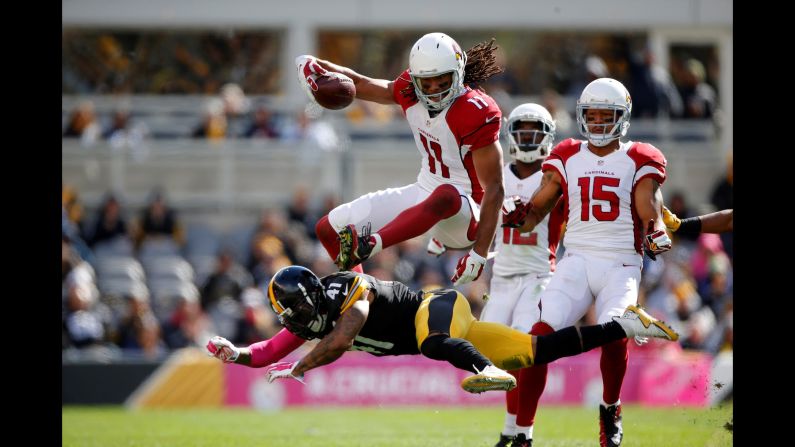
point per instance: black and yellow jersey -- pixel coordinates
(389, 329)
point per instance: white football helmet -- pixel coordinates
(605, 93)
(530, 145)
(433, 55)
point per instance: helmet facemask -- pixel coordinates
(529, 145)
(616, 128)
(304, 320)
(436, 102)
(299, 302)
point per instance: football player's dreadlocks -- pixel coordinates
(481, 63)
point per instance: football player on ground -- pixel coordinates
(355, 311)
(614, 207)
(459, 191)
(525, 261)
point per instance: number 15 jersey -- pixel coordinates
(599, 193)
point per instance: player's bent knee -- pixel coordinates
(432, 347)
(445, 201)
(324, 229)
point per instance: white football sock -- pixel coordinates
(378, 244)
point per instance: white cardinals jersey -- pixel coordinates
(599, 194)
(531, 252)
(447, 140)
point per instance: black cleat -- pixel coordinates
(505, 441)
(610, 431)
(354, 248)
(521, 441)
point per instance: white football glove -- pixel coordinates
(308, 71)
(510, 204)
(282, 370)
(435, 247)
(656, 241)
(222, 349)
(469, 268)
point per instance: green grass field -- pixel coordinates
(393, 427)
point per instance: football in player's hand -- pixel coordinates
(334, 90)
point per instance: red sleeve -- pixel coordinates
(649, 162)
(405, 99)
(475, 119)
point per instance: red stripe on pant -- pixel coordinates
(444, 202)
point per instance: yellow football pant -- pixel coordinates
(447, 311)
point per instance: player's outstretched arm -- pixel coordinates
(368, 89)
(717, 222)
(488, 165)
(544, 199)
(256, 355)
(339, 340)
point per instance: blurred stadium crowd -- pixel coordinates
(229, 66)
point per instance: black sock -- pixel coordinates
(572, 341)
(601, 334)
(459, 352)
(562, 343)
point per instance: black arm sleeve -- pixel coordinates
(689, 227)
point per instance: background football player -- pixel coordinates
(614, 207)
(525, 261)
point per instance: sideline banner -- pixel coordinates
(359, 379)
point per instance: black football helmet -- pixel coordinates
(297, 297)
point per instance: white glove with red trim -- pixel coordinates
(510, 204)
(308, 71)
(469, 268)
(282, 370)
(514, 212)
(656, 241)
(435, 247)
(222, 349)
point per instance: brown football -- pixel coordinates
(334, 90)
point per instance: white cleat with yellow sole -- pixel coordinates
(490, 379)
(637, 322)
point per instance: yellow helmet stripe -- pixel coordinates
(279, 309)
